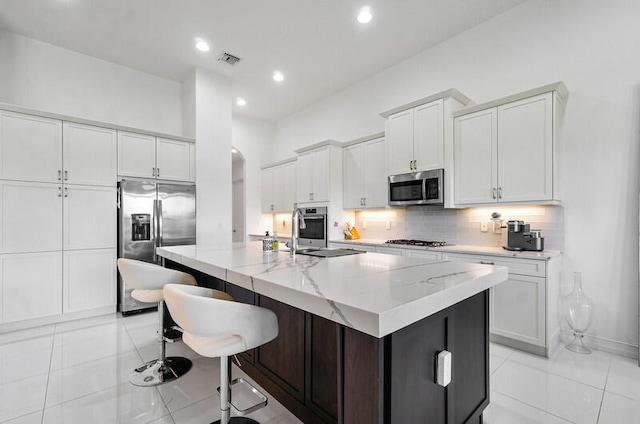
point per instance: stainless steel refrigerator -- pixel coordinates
(151, 215)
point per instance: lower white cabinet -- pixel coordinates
(89, 278)
(522, 309)
(31, 285)
(424, 254)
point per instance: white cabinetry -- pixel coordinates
(59, 203)
(415, 138)
(523, 309)
(507, 151)
(31, 216)
(30, 148)
(146, 156)
(89, 155)
(313, 175)
(89, 279)
(31, 285)
(278, 187)
(365, 181)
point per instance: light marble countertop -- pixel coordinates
(454, 248)
(373, 293)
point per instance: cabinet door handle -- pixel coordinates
(59, 174)
(494, 195)
(415, 164)
(487, 263)
(499, 192)
(66, 192)
(153, 171)
(59, 191)
(66, 175)
(157, 172)
(364, 201)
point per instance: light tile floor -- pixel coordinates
(77, 373)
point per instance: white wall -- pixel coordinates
(41, 76)
(590, 45)
(253, 139)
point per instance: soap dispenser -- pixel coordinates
(267, 243)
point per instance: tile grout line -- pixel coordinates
(126, 328)
(46, 386)
(537, 408)
(604, 390)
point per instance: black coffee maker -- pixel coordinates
(521, 237)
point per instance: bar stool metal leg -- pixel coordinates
(163, 369)
(225, 397)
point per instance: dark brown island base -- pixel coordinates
(325, 372)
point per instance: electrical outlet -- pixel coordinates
(483, 226)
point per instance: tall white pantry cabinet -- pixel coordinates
(57, 217)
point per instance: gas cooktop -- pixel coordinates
(427, 243)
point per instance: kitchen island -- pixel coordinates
(359, 334)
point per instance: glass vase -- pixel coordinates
(578, 311)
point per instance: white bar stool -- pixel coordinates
(219, 328)
(147, 280)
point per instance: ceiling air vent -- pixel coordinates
(228, 58)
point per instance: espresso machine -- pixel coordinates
(521, 237)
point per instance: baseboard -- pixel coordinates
(598, 343)
(54, 319)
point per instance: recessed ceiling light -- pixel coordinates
(241, 102)
(277, 76)
(365, 15)
(202, 45)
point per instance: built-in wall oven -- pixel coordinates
(314, 233)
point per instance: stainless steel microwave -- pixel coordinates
(417, 188)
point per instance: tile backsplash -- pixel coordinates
(460, 226)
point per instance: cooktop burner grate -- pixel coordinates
(427, 243)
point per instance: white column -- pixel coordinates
(207, 114)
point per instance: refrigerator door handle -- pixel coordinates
(159, 223)
(155, 230)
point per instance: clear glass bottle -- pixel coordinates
(578, 310)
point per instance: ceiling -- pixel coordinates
(317, 44)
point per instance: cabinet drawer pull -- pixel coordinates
(66, 192)
(487, 263)
(66, 175)
(59, 191)
(499, 192)
(59, 174)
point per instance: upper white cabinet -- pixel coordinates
(173, 161)
(40, 149)
(507, 151)
(419, 134)
(364, 182)
(30, 148)
(89, 155)
(279, 187)
(415, 138)
(146, 156)
(314, 171)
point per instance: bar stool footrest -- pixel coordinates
(172, 334)
(239, 420)
(262, 399)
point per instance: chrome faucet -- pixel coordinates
(297, 223)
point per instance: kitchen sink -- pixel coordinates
(329, 253)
